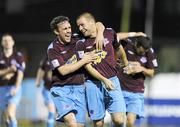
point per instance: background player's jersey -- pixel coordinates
(16, 59)
(46, 67)
(60, 54)
(135, 82)
(105, 63)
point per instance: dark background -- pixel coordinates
(28, 21)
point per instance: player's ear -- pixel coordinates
(56, 32)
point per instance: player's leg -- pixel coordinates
(131, 118)
(135, 106)
(70, 120)
(115, 104)
(95, 102)
(51, 107)
(12, 103)
(11, 115)
(51, 115)
(63, 99)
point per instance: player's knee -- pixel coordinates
(129, 124)
(118, 121)
(98, 123)
(130, 121)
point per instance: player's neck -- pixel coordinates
(8, 52)
(93, 33)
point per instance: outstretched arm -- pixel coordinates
(124, 35)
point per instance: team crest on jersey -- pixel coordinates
(73, 59)
(100, 55)
(106, 41)
(143, 59)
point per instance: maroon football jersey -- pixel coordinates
(60, 54)
(46, 67)
(105, 63)
(135, 82)
(16, 59)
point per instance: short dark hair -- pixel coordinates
(57, 20)
(87, 15)
(145, 42)
(7, 34)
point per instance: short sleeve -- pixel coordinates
(80, 48)
(152, 61)
(115, 42)
(20, 64)
(54, 57)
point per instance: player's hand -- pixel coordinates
(89, 57)
(8, 76)
(14, 91)
(133, 67)
(38, 84)
(108, 84)
(120, 64)
(99, 41)
(13, 68)
(137, 69)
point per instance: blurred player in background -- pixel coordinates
(100, 97)
(12, 66)
(44, 73)
(142, 62)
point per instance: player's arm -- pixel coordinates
(148, 72)
(108, 84)
(69, 68)
(18, 82)
(136, 67)
(124, 35)
(122, 54)
(8, 70)
(39, 76)
(100, 37)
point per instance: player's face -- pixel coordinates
(64, 31)
(85, 26)
(7, 42)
